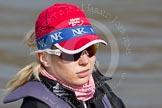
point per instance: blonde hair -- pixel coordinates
(29, 71)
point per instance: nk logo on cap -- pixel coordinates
(64, 34)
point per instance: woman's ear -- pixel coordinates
(44, 59)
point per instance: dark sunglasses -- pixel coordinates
(90, 51)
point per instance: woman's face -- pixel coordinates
(73, 72)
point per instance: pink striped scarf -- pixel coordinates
(83, 92)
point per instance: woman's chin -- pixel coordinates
(81, 81)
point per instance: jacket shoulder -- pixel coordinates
(30, 102)
(37, 91)
(100, 79)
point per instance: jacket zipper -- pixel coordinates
(85, 106)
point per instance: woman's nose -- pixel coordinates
(84, 58)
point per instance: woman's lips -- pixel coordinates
(83, 74)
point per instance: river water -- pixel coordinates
(136, 36)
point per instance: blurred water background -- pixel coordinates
(135, 24)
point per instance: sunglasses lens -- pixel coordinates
(92, 50)
(74, 57)
(67, 57)
(70, 57)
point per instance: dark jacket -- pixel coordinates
(102, 98)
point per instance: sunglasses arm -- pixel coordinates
(55, 52)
